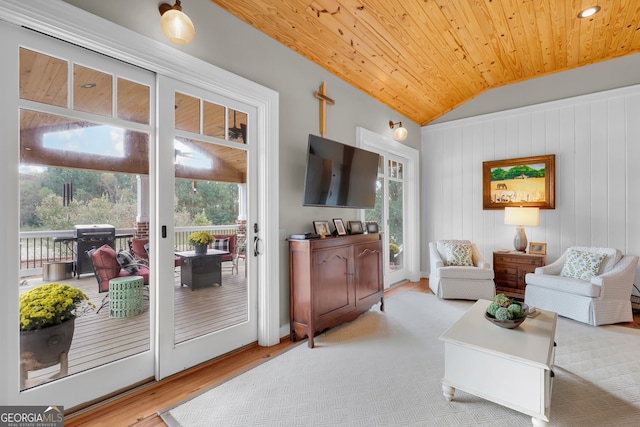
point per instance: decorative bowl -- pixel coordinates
(508, 324)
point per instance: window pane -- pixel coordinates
(395, 224)
(92, 91)
(43, 78)
(77, 172)
(133, 101)
(187, 113)
(237, 126)
(213, 120)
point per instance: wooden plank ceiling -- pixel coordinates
(423, 58)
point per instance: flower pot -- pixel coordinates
(42, 348)
(201, 249)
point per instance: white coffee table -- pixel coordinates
(511, 367)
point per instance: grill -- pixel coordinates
(87, 237)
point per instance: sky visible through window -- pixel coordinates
(99, 140)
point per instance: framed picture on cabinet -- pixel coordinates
(340, 230)
(321, 228)
(537, 248)
(355, 227)
(526, 182)
(372, 227)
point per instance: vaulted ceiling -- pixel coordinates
(423, 58)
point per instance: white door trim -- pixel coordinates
(378, 143)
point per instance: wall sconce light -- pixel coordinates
(400, 134)
(521, 217)
(176, 26)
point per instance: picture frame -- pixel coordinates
(537, 248)
(372, 227)
(355, 227)
(524, 181)
(322, 228)
(339, 225)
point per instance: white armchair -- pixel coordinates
(602, 299)
(455, 277)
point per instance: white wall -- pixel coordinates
(596, 140)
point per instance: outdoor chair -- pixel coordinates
(107, 265)
(227, 243)
(139, 248)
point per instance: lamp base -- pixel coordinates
(520, 240)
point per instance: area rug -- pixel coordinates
(384, 369)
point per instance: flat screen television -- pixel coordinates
(339, 175)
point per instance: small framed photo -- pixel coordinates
(537, 248)
(340, 230)
(321, 228)
(355, 227)
(372, 227)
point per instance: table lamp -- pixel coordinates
(521, 217)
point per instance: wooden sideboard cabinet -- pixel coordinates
(510, 268)
(333, 280)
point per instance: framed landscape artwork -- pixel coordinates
(526, 181)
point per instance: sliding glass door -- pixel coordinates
(85, 128)
(210, 308)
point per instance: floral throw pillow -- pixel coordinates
(582, 265)
(458, 254)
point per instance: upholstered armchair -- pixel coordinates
(458, 271)
(588, 284)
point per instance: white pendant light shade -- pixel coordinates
(176, 26)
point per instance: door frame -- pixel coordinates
(68, 23)
(381, 144)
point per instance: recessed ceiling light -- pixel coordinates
(589, 12)
(88, 85)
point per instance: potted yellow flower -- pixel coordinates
(47, 322)
(200, 241)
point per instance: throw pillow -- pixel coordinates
(458, 254)
(127, 262)
(582, 265)
(221, 244)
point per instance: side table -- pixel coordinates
(126, 296)
(510, 268)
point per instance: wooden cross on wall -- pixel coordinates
(324, 99)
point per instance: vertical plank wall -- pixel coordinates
(596, 140)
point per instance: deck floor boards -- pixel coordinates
(99, 339)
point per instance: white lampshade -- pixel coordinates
(177, 27)
(522, 216)
(400, 134)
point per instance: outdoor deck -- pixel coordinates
(100, 339)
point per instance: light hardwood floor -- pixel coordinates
(139, 408)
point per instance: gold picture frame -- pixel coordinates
(537, 248)
(525, 181)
